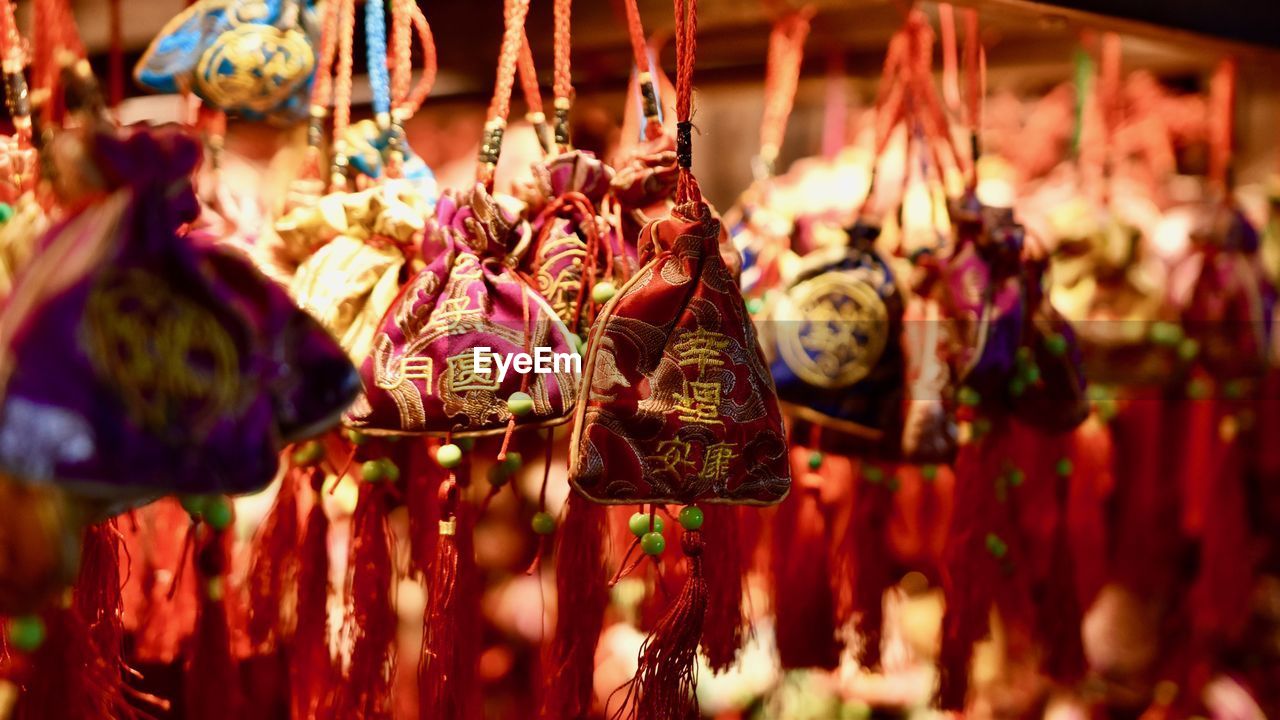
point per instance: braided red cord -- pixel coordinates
(512, 37)
(635, 31)
(342, 81)
(10, 41)
(563, 86)
(322, 89)
(782, 77)
(401, 52)
(687, 190)
(950, 69)
(1222, 98)
(529, 79)
(430, 66)
(975, 86)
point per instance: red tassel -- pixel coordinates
(274, 567)
(424, 478)
(212, 679)
(872, 565)
(662, 688)
(1093, 457)
(725, 629)
(77, 672)
(803, 604)
(446, 675)
(159, 596)
(1221, 594)
(371, 617)
(978, 560)
(582, 595)
(313, 676)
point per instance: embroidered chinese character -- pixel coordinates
(715, 462)
(463, 375)
(673, 456)
(453, 312)
(701, 348)
(700, 402)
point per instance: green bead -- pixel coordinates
(6, 213)
(543, 523)
(1056, 344)
(968, 396)
(449, 456)
(218, 512)
(466, 443)
(498, 475)
(981, 426)
(577, 343)
(309, 454)
(1023, 355)
(1063, 467)
(1233, 389)
(639, 523)
(513, 461)
(26, 633)
(1032, 374)
(1188, 350)
(873, 474)
(691, 517)
(996, 546)
(355, 437)
(929, 472)
(1016, 476)
(372, 471)
(520, 404)
(603, 292)
(815, 460)
(390, 471)
(194, 504)
(755, 305)
(653, 543)
(1165, 333)
(893, 483)
(1017, 386)
(1198, 389)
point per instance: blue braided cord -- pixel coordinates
(375, 30)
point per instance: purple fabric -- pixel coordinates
(144, 362)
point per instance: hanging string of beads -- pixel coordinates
(342, 95)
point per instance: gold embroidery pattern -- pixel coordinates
(673, 456)
(832, 329)
(463, 376)
(699, 401)
(169, 358)
(254, 66)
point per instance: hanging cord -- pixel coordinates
(782, 77)
(500, 107)
(13, 59)
(644, 66)
(1222, 98)
(404, 98)
(115, 83)
(563, 85)
(950, 66)
(687, 190)
(907, 97)
(54, 37)
(342, 94)
(533, 96)
(375, 35)
(975, 73)
(835, 115)
(322, 88)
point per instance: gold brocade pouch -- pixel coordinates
(349, 282)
